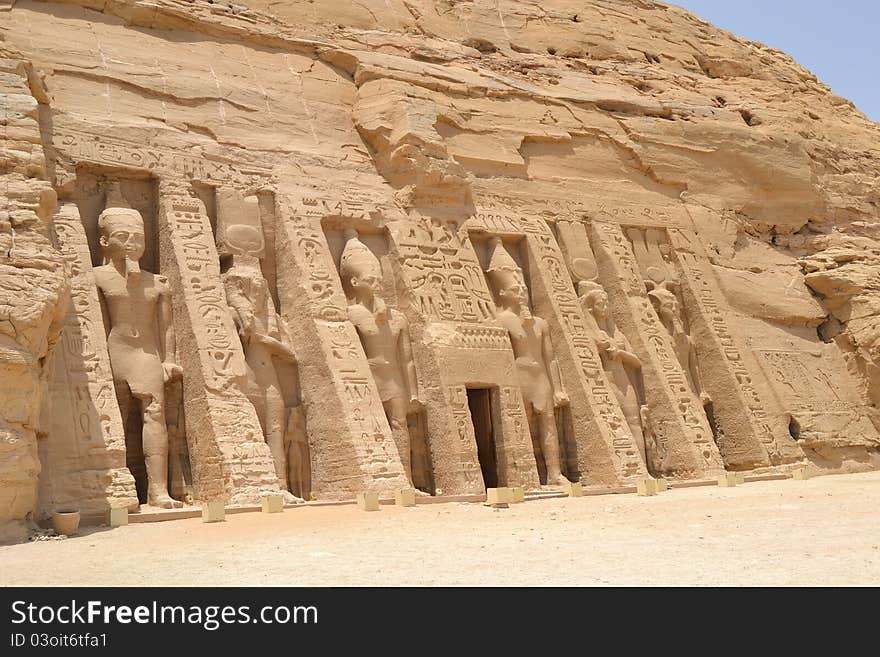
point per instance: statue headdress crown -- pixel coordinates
(589, 288)
(356, 257)
(105, 217)
(500, 259)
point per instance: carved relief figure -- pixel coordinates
(384, 334)
(536, 365)
(264, 337)
(669, 311)
(141, 340)
(623, 367)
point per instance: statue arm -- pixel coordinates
(240, 305)
(694, 367)
(276, 346)
(168, 343)
(105, 311)
(559, 396)
(409, 365)
(629, 359)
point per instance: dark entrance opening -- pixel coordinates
(480, 406)
(709, 409)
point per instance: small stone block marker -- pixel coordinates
(801, 473)
(740, 478)
(728, 480)
(213, 511)
(662, 485)
(405, 497)
(118, 517)
(573, 489)
(498, 497)
(368, 501)
(273, 504)
(646, 487)
(517, 495)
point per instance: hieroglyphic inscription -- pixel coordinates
(631, 213)
(86, 147)
(806, 383)
(219, 352)
(635, 215)
(655, 337)
(512, 452)
(456, 397)
(443, 273)
(469, 336)
(552, 205)
(546, 251)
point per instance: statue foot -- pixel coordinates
(164, 502)
(290, 498)
(558, 480)
(421, 493)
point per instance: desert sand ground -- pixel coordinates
(824, 531)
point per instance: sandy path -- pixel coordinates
(825, 531)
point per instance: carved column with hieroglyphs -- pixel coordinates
(230, 459)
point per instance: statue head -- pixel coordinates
(359, 269)
(665, 303)
(506, 278)
(243, 239)
(121, 236)
(594, 296)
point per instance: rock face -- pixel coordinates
(326, 247)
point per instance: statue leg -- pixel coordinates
(298, 462)
(274, 432)
(395, 411)
(128, 406)
(155, 441)
(632, 411)
(550, 446)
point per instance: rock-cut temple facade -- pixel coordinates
(321, 248)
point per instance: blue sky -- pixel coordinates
(836, 40)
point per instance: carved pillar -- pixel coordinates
(752, 429)
(83, 453)
(230, 459)
(350, 441)
(684, 442)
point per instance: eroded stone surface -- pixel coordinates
(692, 219)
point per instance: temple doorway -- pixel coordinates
(480, 406)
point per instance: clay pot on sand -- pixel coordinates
(65, 521)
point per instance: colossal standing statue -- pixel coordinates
(141, 341)
(623, 367)
(384, 334)
(536, 366)
(264, 337)
(668, 310)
